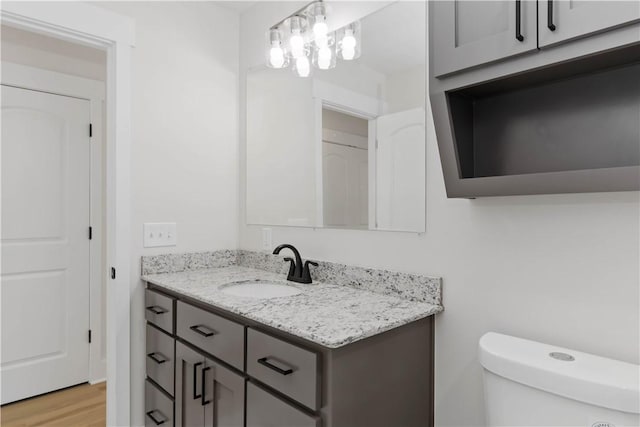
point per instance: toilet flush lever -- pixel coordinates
(562, 356)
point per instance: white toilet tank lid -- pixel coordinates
(587, 378)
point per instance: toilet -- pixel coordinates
(527, 383)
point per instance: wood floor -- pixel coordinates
(80, 406)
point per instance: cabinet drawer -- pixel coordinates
(288, 368)
(160, 362)
(266, 410)
(158, 407)
(212, 333)
(159, 310)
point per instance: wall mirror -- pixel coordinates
(344, 147)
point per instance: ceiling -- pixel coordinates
(237, 6)
(394, 38)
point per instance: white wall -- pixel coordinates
(562, 269)
(184, 154)
(404, 90)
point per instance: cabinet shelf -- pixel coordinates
(578, 120)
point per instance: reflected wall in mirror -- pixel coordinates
(345, 147)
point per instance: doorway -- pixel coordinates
(53, 295)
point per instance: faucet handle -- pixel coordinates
(292, 265)
(306, 274)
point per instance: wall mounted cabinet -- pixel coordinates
(562, 119)
(470, 33)
(561, 21)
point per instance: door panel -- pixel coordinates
(578, 18)
(400, 171)
(45, 245)
(469, 33)
(225, 394)
(266, 410)
(345, 186)
(189, 408)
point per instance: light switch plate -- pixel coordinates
(158, 234)
(266, 239)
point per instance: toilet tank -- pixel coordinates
(527, 383)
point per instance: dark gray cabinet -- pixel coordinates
(207, 393)
(266, 410)
(566, 20)
(189, 386)
(158, 406)
(228, 371)
(561, 119)
(160, 351)
(468, 33)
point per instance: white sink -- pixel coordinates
(259, 289)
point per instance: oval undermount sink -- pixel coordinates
(259, 289)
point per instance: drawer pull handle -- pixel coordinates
(155, 309)
(202, 330)
(204, 386)
(264, 361)
(154, 356)
(154, 419)
(195, 381)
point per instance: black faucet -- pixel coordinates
(297, 273)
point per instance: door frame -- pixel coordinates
(93, 26)
(31, 78)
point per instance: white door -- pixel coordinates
(345, 186)
(400, 171)
(45, 246)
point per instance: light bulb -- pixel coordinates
(324, 58)
(297, 44)
(302, 66)
(276, 56)
(320, 31)
(348, 46)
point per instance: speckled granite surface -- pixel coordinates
(408, 286)
(327, 314)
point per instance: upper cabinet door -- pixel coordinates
(562, 20)
(469, 33)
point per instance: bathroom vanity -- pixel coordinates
(330, 356)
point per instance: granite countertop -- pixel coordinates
(326, 314)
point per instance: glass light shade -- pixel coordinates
(297, 36)
(302, 66)
(318, 18)
(349, 42)
(276, 56)
(324, 58)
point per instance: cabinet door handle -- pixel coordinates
(195, 381)
(202, 330)
(155, 309)
(264, 361)
(519, 35)
(154, 356)
(550, 24)
(154, 419)
(204, 386)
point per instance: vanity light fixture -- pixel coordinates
(303, 39)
